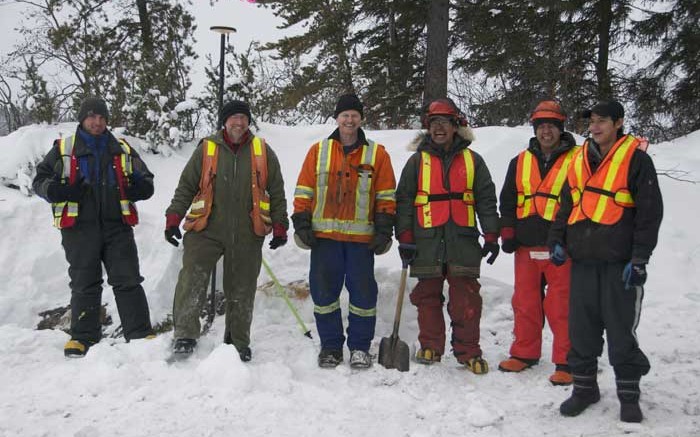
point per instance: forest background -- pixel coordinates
(495, 58)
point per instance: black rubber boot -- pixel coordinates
(585, 393)
(628, 394)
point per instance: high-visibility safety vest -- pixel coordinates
(537, 196)
(65, 214)
(198, 216)
(359, 224)
(602, 196)
(434, 202)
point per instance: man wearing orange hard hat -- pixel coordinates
(529, 202)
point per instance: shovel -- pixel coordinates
(393, 353)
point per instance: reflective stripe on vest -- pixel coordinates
(602, 196)
(65, 213)
(123, 167)
(435, 204)
(360, 224)
(260, 215)
(537, 196)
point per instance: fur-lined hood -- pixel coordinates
(465, 132)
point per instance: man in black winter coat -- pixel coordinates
(611, 211)
(92, 180)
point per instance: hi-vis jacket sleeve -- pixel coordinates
(306, 182)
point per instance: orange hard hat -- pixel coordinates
(443, 107)
(548, 109)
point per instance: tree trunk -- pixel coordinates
(601, 67)
(146, 30)
(436, 50)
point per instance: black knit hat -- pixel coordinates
(347, 102)
(92, 106)
(234, 107)
(606, 108)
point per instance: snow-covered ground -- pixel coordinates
(123, 389)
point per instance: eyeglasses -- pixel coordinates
(440, 122)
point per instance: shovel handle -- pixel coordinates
(399, 302)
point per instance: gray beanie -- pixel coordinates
(92, 106)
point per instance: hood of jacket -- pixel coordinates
(422, 139)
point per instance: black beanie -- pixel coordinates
(538, 121)
(234, 107)
(347, 102)
(92, 106)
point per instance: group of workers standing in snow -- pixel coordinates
(581, 221)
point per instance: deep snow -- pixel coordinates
(123, 389)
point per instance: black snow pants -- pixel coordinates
(599, 301)
(87, 248)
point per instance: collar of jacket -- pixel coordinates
(361, 138)
(566, 143)
(81, 147)
(245, 138)
(219, 139)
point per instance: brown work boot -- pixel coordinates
(515, 364)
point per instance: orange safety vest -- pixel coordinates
(434, 203)
(198, 216)
(65, 214)
(536, 196)
(602, 196)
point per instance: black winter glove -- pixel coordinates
(172, 228)
(509, 246)
(383, 230)
(173, 231)
(138, 189)
(279, 236)
(634, 275)
(490, 247)
(58, 192)
(407, 252)
(303, 234)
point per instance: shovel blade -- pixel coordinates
(394, 354)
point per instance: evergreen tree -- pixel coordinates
(330, 45)
(40, 104)
(393, 67)
(666, 91)
(529, 50)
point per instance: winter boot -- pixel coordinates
(427, 356)
(330, 358)
(245, 353)
(477, 365)
(585, 393)
(76, 348)
(628, 394)
(515, 364)
(561, 375)
(184, 347)
(360, 359)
